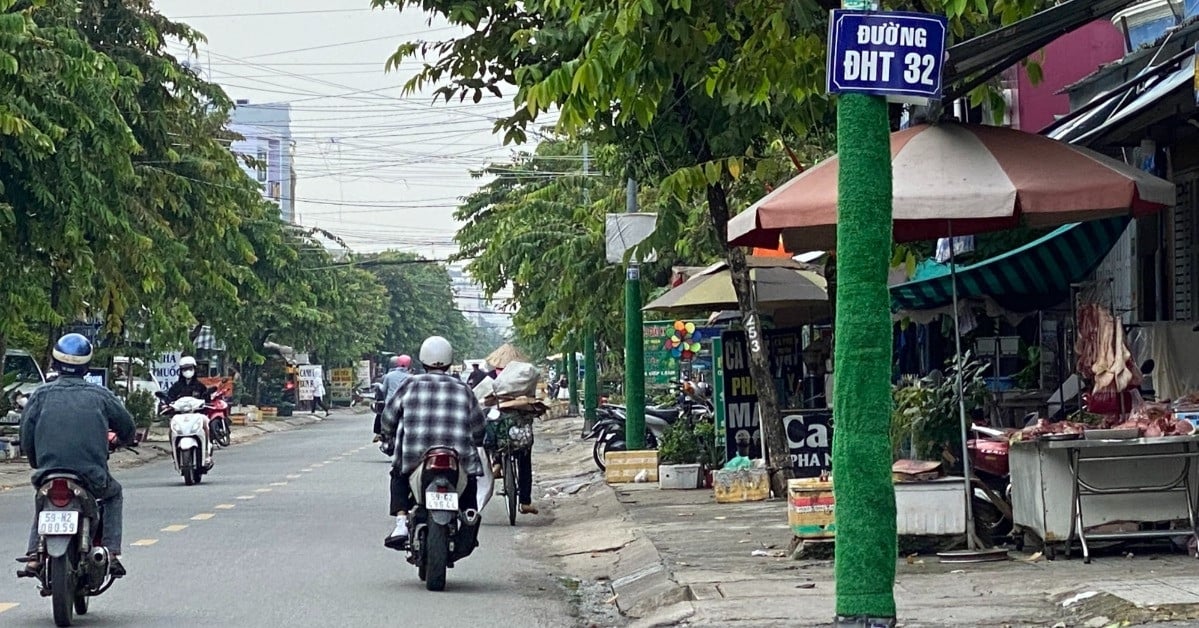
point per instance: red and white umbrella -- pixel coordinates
(969, 177)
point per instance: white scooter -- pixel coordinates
(190, 445)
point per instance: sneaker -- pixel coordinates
(376, 439)
(398, 539)
(115, 567)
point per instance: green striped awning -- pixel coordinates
(1035, 276)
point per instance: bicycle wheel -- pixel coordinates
(510, 486)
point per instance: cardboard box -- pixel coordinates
(742, 485)
(623, 466)
(810, 508)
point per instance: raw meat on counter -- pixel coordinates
(1043, 428)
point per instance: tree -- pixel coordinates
(420, 304)
(531, 228)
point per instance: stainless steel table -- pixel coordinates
(1139, 480)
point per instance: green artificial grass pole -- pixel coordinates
(865, 497)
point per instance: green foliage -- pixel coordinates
(419, 304)
(679, 445)
(142, 405)
(926, 416)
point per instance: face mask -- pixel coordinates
(188, 373)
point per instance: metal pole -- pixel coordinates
(971, 540)
(634, 368)
(590, 374)
(572, 379)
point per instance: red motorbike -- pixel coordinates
(219, 425)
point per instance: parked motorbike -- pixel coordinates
(692, 402)
(75, 566)
(988, 450)
(190, 445)
(217, 410)
(439, 533)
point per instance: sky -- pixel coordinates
(382, 170)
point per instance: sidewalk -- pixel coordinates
(15, 473)
(676, 558)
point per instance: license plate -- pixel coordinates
(56, 522)
(441, 501)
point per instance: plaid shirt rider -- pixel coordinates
(434, 410)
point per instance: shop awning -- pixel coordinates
(1035, 276)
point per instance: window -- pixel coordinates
(262, 165)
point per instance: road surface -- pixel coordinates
(286, 531)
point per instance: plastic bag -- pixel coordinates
(738, 463)
(519, 379)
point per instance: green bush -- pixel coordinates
(142, 406)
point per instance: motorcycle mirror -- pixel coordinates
(161, 395)
(1147, 366)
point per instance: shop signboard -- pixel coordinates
(341, 383)
(737, 398)
(362, 373)
(894, 54)
(97, 376)
(810, 440)
(661, 366)
(165, 368)
(310, 374)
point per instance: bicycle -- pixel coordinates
(513, 435)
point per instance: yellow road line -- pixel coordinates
(204, 516)
(144, 542)
(224, 506)
(174, 528)
(7, 606)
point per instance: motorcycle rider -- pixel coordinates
(64, 427)
(188, 385)
(400, 370)
(433, 409)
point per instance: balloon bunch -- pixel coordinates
(684, 343)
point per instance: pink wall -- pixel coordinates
(1065, 61)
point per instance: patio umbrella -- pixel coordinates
(961, 179)
(777, 282)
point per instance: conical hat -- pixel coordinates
(500, 358)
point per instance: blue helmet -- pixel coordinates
(72, 354)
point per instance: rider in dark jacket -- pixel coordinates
(64, 427)
(188, 385)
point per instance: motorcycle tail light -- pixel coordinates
(60, 494)
(442, 462)
(442, 489)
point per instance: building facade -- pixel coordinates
(266, 129)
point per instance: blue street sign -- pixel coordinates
(898, 55)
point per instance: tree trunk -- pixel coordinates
(778, 454)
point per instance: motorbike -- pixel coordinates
(190, 445)
(75, 566)
(988, 451)
(692, 401)
(217, 410)
(439, 533)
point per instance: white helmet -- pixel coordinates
(436, 353)
(187, 362)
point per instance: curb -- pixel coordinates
(641, 581)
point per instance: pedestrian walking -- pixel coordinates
(318, 397)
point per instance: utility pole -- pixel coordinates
(590, 374)
(634, 367)
(571, 362)
(866, 529)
